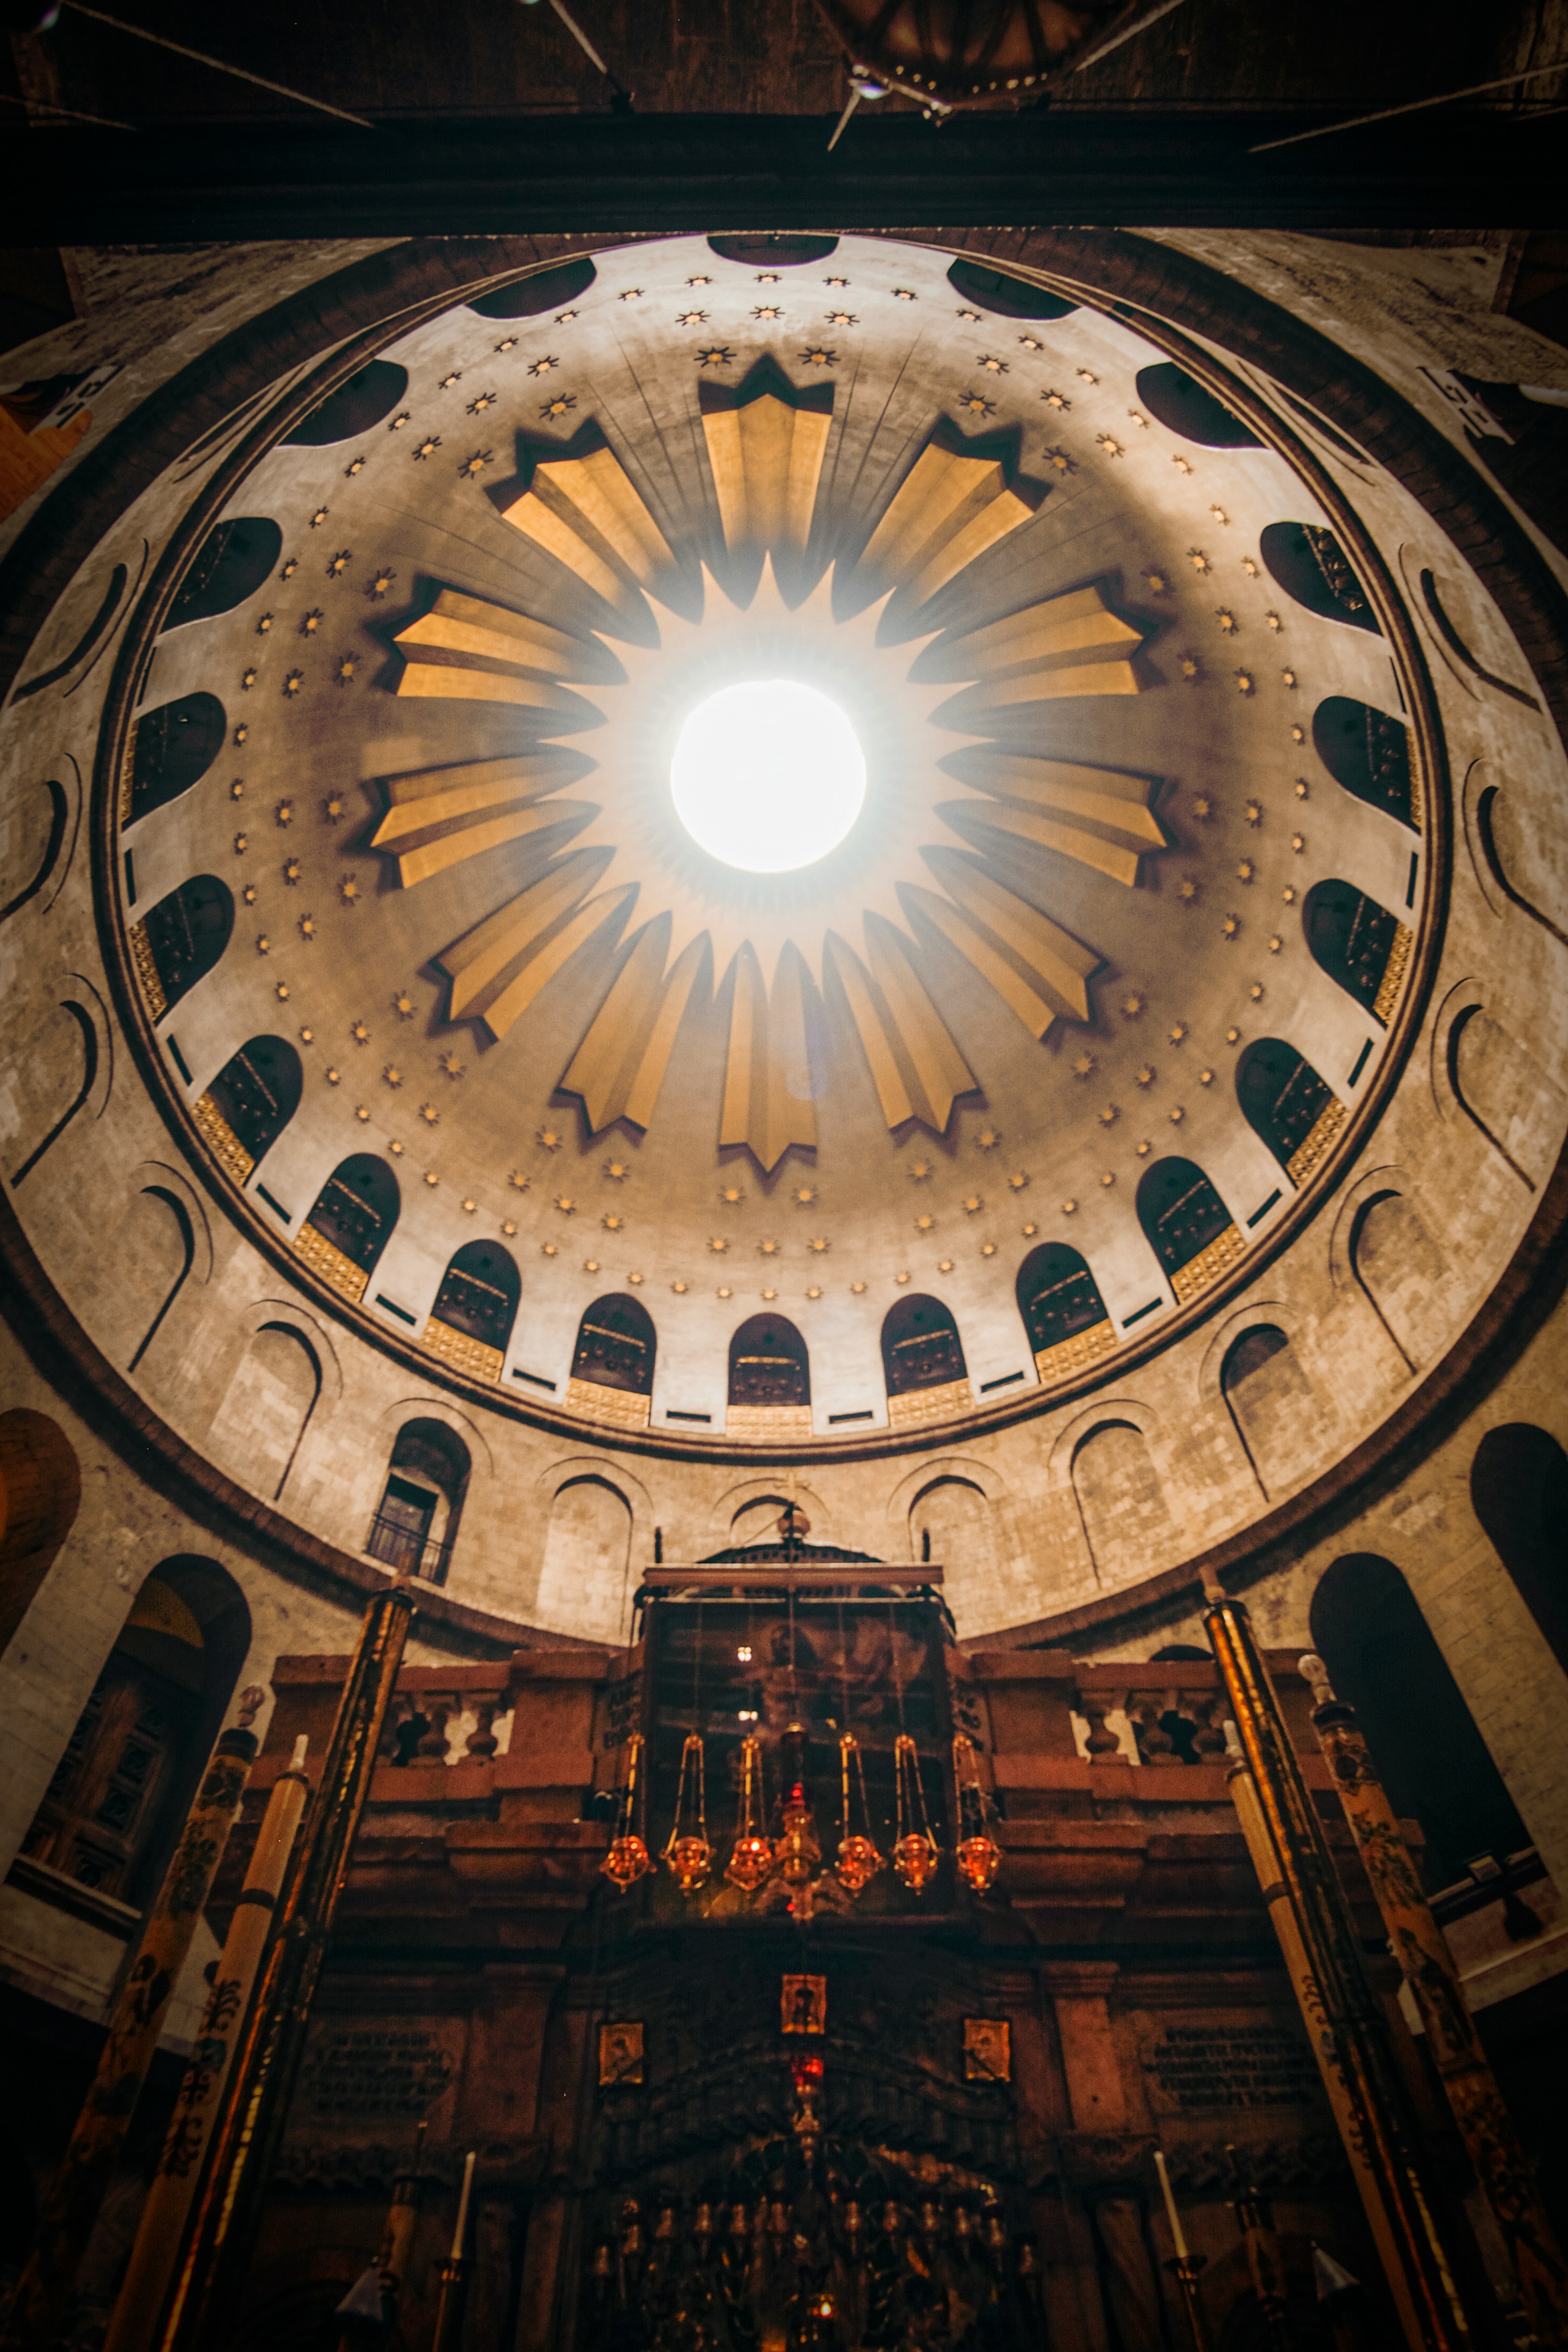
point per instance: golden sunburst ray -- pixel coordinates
(926, 710)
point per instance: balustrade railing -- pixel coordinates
(403, 1549)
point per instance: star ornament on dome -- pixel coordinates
(693, 925)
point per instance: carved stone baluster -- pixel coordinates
(1156, 1745)
(1208, 1739)
(432, 1748)
(1103, 1746)
(481, 1742)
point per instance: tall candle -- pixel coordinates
(1177, 2240)
(461, 2231)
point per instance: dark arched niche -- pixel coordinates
(1179, 1211)
(230, 565)
(173, 749)
(1281, 1097)
(372, 393)
(1314, 571)
(258, 1092)
(773, 252)
(1007, 297)
(530, 297)
(1057, 1296)
(123, 1789)
(479, 1292)
(40, 1491)
(768, 1363)
(1519, 1490)
(1368, 753)
(920, 1346)
(616, 1345)
(415, 1523)
(357, 1208)
(1182, 406)
(1350, 938)
(186, 933)
(1383, 1661)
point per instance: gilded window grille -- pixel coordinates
(325, 1258)
(1394, 971)
(919, 1405)
(1070, 1356)
(462, 1352)
(221, 1140)
(1310, 1153)
(1210, 1263)
(620, 1408)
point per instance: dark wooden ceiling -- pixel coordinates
(488, 115)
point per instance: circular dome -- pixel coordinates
(1118, 955)
(767, 775)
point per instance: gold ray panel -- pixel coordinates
(1115, 824)
(949, 509)
(1072, 645)
(976, 945)
(499, 968)
(439, 816)
(587, 513)
(767, 1044)
(1057, 966)
(467, 648)
(618, 1068)
(766, 456)
(915, 1066)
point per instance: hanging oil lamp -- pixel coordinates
(687, 1852)
(627, 1857)
(859, 1859)
(977, 1853)
(915, 1852)
(798, 1852)
(753, 1855)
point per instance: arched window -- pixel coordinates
(121, 1789)
(1267, 1397)
(230, 565)
(1181, 403)
(180, 940)
(172, 750)
(351, 1223)
(40, 1493)
(616, 1345)
(768, 1364)
(770, 251)
(1368, 753)
(922, 1360)
(1007, 297)
(372, 393)
(1358, 943)
(1059, 1301)
(530, 297)
(1285, 1101)
(1314, 571)
(251, 1102)
(475, 1309)
(1383, 1661)
(1188, 1225)
(415, 1523)
(1519, 1489)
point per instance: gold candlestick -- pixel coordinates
(254, 2109)
(1185, 2266)
(454, 2271)
(1419, 1946)
(1338, 2005)
(77, 2191)
(152, 2258)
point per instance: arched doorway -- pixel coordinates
(1383, 1660)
